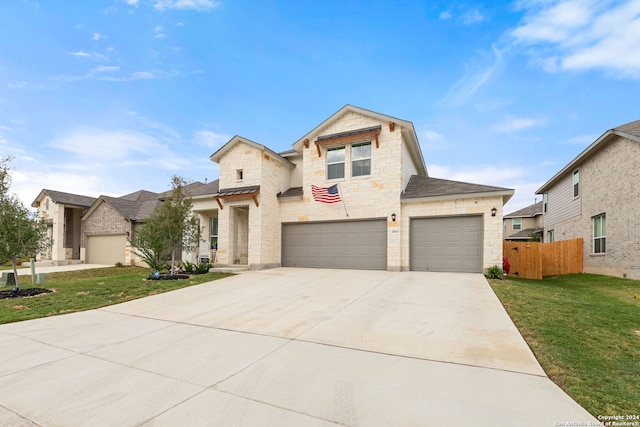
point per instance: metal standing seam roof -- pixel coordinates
(239, 191)
(348, 133)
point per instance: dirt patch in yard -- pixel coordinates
(23, 293)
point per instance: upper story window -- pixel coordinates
(239, 174)
(576, 183)
(361, 159)
(544, 203)
(335, 162)
(599, 234)
(516, 223)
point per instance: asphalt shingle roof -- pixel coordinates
(528, 212)
(135, 206)
(423, 186)
(70, 199)
(632, 128)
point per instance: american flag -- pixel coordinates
(326, 195)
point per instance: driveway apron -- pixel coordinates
(284, 347)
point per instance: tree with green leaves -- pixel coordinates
(22, 233)
(170, 228)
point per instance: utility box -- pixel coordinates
(8, 278)
(40, 278)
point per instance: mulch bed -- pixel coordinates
(169, 277)
(22, 293)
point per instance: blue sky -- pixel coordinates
(113, 96)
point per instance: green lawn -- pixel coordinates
(585, 331)
(87, 289)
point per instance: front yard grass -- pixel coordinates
(585, 331)
(88, 289)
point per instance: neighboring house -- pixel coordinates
(596, 197)
(110, 222)
(389, 214)
(63, 213)
(524, 224)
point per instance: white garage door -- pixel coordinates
(343, 244)
(105, 249)
(446, 244)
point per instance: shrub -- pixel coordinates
(494, 272)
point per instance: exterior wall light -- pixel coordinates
(493, 211)
(393, 217)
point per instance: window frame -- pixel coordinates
(213, 244)
(360, 159)
(599, 241)
(576, 183)
(545, 199)
(334, 163)
(513, 224)
(551, 236)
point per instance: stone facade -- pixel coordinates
(373, 196)
(608, 185)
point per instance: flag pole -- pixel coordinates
(342, 197)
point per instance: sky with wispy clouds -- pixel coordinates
(114, 96)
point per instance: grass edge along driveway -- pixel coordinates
(584, 329)
(89, 289)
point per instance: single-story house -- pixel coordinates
(596, 197)
(354, 192)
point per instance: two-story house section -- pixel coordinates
(524, 224)
(353, 192)
(596, 197)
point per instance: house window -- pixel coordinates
(551, 236)
(544, 203)
(599, 234)
(516, 223)
(361, 159)
(576, 183)
(239, 174)
(335, 163)
(213, 232)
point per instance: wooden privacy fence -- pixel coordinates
(534, 260)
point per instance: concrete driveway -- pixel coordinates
(284, 347)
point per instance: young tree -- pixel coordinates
(22, 234)
(169, 229)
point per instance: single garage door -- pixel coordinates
(343, 244)
(105, 249)
(446, 244)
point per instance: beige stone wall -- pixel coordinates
(492, 253)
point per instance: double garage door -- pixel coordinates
(446, 244)
(107, 250)
(452, 243)
(339, 244)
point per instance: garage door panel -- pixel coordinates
(346, 244)
(446, 244)
(106, 250)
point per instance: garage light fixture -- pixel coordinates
(493, 211)
(393, 217)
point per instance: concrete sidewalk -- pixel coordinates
(26, 271)
(284, 347)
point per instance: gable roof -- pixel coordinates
(208, 189)
(528, 212)
(62, 198)
(408, 131)
(424, 187)
(241, 140)
(136, 206)
(629, 130)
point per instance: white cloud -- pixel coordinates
(472, 16)
(78, 54)
(476, 76)
(514, 124)
(98, 36)
(430, 135)
(210, 138)
(105, 68)
(577, 35)
(132, 3)
(142, 75)
(201, 5)
(92, 55)
(446, 15)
